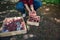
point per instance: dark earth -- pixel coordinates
(49, 28)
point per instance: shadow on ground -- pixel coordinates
(49, 27)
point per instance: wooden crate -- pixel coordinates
(11, 33)
(33, 22)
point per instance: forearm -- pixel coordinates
(32, 7)
(28, 9)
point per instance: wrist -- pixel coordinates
(32, 8)
(28, 9)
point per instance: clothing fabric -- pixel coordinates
(20, 6)
(29, 2)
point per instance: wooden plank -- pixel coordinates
(13, 32)
(33, 23)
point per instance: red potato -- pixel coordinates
(11, 20)
(11, 27)
(11, 23)
(14, 19)
(34, 19)
(30, 19)
(21, 20)
(8, 20)
(37, 18)
(18, 19)
(23, 25)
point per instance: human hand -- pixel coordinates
(32, 13)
